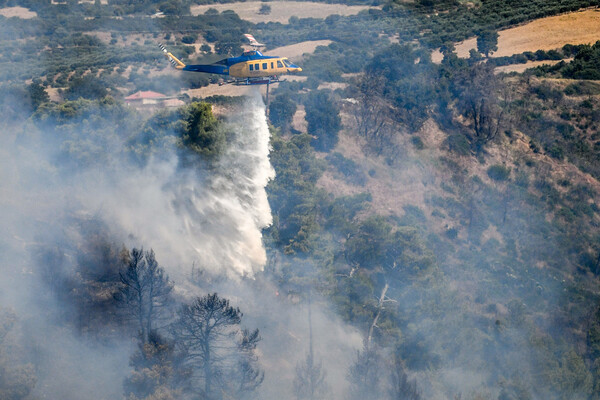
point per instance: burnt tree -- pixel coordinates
(145, 291)
(222, 355)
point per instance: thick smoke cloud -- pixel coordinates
(33, 203)
(212, 220)
(285, 331)
(209, 219)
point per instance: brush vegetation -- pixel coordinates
(491, 268)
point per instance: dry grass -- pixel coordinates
(19, 12)
(281, 11)
(522, 67)
(462, 50)
(408, 182)
(332, 85)
(298, 121)
(54, 95)
(549, 33)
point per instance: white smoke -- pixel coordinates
(209, 219)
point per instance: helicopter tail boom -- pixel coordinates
(174, 60)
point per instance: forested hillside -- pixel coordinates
(388, 226)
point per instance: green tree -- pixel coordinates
(396, 252)
(88, 87)
(405, 77)
(38, 95)
(281, 111)
(366, 247)
(200, 131)
(295, 200)
(586, 64)
(174, 7)
(189, 39)
(323, 118)
(498, 172)
(477, 89)
(265, 9)
(487, 42)
(228, 45)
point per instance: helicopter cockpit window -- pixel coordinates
(279, 64)
(287, 63)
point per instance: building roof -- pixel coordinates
(145, 95)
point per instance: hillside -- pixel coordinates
(414, 215)
(548, 33)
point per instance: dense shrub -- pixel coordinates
(281, 111)
(323, 118)
(498, 172)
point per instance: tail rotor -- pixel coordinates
(174, 61)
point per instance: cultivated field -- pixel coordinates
(543, 34)
(550, 33)
(19, 12)
(281, 11)
(522, 67)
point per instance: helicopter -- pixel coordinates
(250, 68)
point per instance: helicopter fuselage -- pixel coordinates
(251, 64)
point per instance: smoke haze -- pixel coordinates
(210, 219)
(203, 219)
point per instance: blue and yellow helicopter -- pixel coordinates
(251, 68)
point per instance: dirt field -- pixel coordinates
(281, 11)
(19, 12)
(522, 67)
(542, 34)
